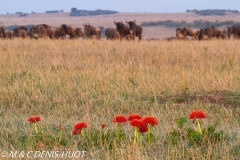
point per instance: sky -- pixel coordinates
(38, 6)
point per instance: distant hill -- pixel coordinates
(91, 13)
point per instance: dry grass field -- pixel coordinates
(66, 81)
(56, 19)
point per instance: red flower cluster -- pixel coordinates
(34, 119)
(78, 127)
(103, 125)
(139, 123)
(134, 116)
(120, 119)
(150, 120)
(197, 114)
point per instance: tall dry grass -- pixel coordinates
(92, 81)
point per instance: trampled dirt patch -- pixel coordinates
(222, 98)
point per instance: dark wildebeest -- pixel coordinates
(211, 32)
(21, 32)
(123, 29)
(64, 30)
(2, 34)
(91, 31)
(169, 38)
(135, 30)
(183, 33)
(234, 31)
(9, 34)
(112, 33)
(43, 31)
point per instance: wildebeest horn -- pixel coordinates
(126, 21)
(114, 21)
(135, 20)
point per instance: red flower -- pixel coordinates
(34, 119)
(137, 123)
(134, 116)
(197, 114)
(150, 120)
(103, 125)
(120, 119)
(76, 131)
(143, 129)
(80, 125)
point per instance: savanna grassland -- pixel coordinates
(92, 81)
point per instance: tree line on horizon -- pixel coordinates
(210, 12)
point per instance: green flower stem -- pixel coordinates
(136, 134)
(61, 133)
(35, 127)
(199, 127)
(149, 133)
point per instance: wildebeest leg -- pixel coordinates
(140, 37)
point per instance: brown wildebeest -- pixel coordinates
(64, 30)
(9, 34)
(135, 30)
(2, 34)
(91, 31)
(169, 38)
(43, 31)
(81, 33)
(211, 32)
(235, 31)
(182, 33)
(112, 33)
(123, 29)
(21, 32)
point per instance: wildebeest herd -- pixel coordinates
(128, 30)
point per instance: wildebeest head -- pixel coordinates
(2, 34)
(132, 25)
(119, 25)
(87, 29)
(179, 33)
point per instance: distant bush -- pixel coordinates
(23, 15)
(208, 12)
(195, 24)
(90, 13)
(56, 11)
(19, 13)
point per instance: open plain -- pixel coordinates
(66, 81)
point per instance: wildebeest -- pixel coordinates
(43, 31)
(91, 31)
(169, 38)
(234, 30)
(123, 29)
(112, 33)
(9, 34)
(135, 30)
(64, 30)
(211, 32)
(182, 33)
(21, 32)
(2, 34)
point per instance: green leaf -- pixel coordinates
(181, 121)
